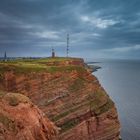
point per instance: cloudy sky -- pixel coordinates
(97, 28)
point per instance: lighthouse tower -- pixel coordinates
(53, 53)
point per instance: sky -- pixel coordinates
(97, 28)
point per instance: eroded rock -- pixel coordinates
(21, 120)
(69, 95)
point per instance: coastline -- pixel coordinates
(68, 94)
(93, 67)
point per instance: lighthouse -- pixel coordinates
(53, 53)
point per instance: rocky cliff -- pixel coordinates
(67, 93)
(21, 120)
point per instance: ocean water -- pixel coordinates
(121, 80)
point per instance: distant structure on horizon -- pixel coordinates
(67, 51)
(53, 53)
(5, 56)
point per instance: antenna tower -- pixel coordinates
(67, 45)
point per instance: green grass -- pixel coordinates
(68, 125)
(21, 67)
(61, 115)
(95, 102)
(53, 69)
(104, 108)
(76, 85)
(95, 99)
(56, 118)
(37, 65)
(40, 60)
(28, 68)
(55, 59)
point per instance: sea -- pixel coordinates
(121, 80)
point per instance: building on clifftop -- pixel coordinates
(53, 53)
(5, 57)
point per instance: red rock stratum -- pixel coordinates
(68, 94)
(21, 120)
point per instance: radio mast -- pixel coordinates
(67, 45)
(5, 56)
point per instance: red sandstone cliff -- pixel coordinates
(71, 97)
(21, 120)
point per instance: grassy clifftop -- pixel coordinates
(44, 64)
(66, 91)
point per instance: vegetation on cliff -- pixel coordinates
(66, 91)
(50, 65)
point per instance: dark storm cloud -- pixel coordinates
(96, 27)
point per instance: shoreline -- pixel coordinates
(92, 67)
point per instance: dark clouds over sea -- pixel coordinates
(97, 28)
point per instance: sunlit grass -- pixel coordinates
(38, 65)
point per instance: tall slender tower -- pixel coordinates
(67, 45)
(5, 56)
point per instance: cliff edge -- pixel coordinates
(68, 94)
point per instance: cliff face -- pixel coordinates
(70, 96)
(21, 120)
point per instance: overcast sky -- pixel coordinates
(97, 28)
